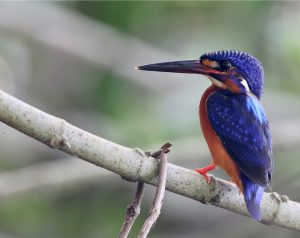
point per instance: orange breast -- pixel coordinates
(219, 155)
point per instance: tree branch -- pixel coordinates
(133, 210)
(160, 192)
(135, 165)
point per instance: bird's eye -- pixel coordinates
(225, 65)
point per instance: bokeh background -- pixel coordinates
(76, 61)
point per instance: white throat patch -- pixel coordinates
(218, 83)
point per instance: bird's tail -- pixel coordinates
(253, 195)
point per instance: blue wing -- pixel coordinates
(241, 124)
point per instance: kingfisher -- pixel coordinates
(232, 119)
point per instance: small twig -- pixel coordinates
(160, 192)
(165, 149)
(133, 210)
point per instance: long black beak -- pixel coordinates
(186, 66)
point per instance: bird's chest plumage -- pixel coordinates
(219, 154)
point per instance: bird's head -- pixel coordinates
(231, 70)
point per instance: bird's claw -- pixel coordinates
(204, 174)
(203, 171)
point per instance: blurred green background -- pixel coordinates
(76, 61)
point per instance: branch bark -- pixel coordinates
(135, 165)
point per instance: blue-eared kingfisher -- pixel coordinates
(233, 120)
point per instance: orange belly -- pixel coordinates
(219, 155)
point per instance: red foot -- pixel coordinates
(203, 171)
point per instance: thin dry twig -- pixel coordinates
(160, 191)
(133, 210)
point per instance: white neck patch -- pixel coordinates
(245, 84)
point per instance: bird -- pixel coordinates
(232, 119)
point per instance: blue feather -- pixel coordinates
(253, 194)
(255, 107)
(243, 129)
(242, 126)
